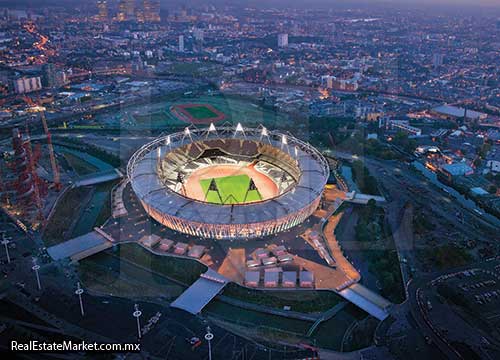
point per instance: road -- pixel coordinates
(417, 309)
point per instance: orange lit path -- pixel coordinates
(233, 267)
(335, 250)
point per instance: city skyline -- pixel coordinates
(261, 180)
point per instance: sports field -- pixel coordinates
(197, 113)
(232, 190)
(201, 112)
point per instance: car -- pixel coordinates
(193, 340)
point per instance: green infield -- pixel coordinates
(232, 190)
(200, 112)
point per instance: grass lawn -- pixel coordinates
(184, 270)
(256, 320)
(60, 222)
(201, 112)
(107, 274)
(80, 166)
(306, 301)
(232, 190)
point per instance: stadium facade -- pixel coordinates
(160, 171)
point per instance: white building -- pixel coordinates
(198, 34)
(27, 84)
(493, 166)
(181, 43)
(282, 40)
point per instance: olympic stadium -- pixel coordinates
(228, 182)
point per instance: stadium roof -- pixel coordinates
(149, 188)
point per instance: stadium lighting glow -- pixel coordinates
(296, 150)
(168, 141)
(159, 156)
(239, 128)
(230, 222)
(211, 128)
(187, 133)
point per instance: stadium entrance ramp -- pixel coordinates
(201, 292)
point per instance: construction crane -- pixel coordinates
(53, 163)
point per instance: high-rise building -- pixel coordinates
(49, 75)
(102, 8)
(198, 34)
(181, 43)
(437, 60)
(151, 10)
(282, 40)
(126, 10)
(27, 84)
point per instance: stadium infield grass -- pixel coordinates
(232, 190)
(200, 112)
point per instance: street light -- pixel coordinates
(137, 314)
(79, 292)
(35, 268)
(6, 241)
(209, 336)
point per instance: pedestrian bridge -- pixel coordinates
(201, 292)
(82, 246)
(367, 300)
(100, 177)
(358, 198)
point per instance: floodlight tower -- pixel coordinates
(284, 142)
(239, 128)
(187, 133)
(159, 156)
(211, 128)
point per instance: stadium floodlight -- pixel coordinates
(187, 133)
(284, 142)
(264, 133)
(168, 141)
(211, 128)
(296, 150)
(239, 128)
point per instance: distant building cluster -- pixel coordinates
(131, 10)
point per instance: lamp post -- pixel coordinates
(137, 314)
(79, 292)
(209, 336)
(35, 268)
(6, 241)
